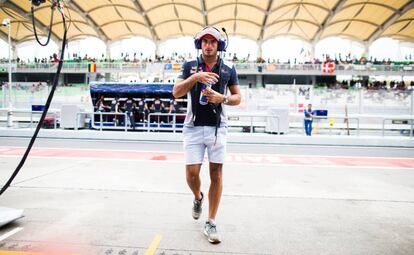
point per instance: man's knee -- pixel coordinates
(193, 171)
(216, 173)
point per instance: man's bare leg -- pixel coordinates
(193, 179)
(216, 188)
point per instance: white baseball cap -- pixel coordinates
(209, 31)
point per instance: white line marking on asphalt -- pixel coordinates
(308, 166)
(229, 153)
(10, 233)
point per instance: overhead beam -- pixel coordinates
(178, 20)
(95, 27)
(402, 20)
(237, 3)
(291, 20)
(244, 20)
(337, 8)
(81, 36)
(28, 16)
(151, 27)
(356, 20)
(300, 3)
(111, 5)
(390, 21)
(267, 13)
(123, 20)
(371, 3)
(174, 3)
(204, 12)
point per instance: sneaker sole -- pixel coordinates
(196, 215)
(211, 240)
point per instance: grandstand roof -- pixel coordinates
(158, 20)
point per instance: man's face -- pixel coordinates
(209, 46)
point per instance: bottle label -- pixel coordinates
(203, 99)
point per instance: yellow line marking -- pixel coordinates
(153, 246)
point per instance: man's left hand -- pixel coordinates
(213, 96)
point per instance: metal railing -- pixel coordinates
(251, 66)
(411, 119)
(164, 126)
(171, 122)
(168, 122)
(55, 115)
(344, 118)
(252, 126)
(112, 114)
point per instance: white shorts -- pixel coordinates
(198, 139)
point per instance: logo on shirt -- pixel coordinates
(194, 68)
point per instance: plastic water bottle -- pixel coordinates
(203, 99)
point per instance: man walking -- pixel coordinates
(208, 77)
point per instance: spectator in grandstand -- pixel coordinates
(308, 119)
(130, 107)
(205, 124)
(235, 57)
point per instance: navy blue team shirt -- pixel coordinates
(205, 115)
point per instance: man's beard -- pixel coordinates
(210, 53)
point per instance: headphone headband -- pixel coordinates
(213, 32)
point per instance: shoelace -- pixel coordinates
(212, 228)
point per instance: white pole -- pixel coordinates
(10, 114)
(295, 96)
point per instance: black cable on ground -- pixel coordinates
(49, 100)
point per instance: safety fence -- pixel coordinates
(71, 66)
(385, 125)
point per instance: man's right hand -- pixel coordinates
(181, 87)
(207, 77)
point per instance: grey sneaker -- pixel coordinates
(210, 230)
(197, 207)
